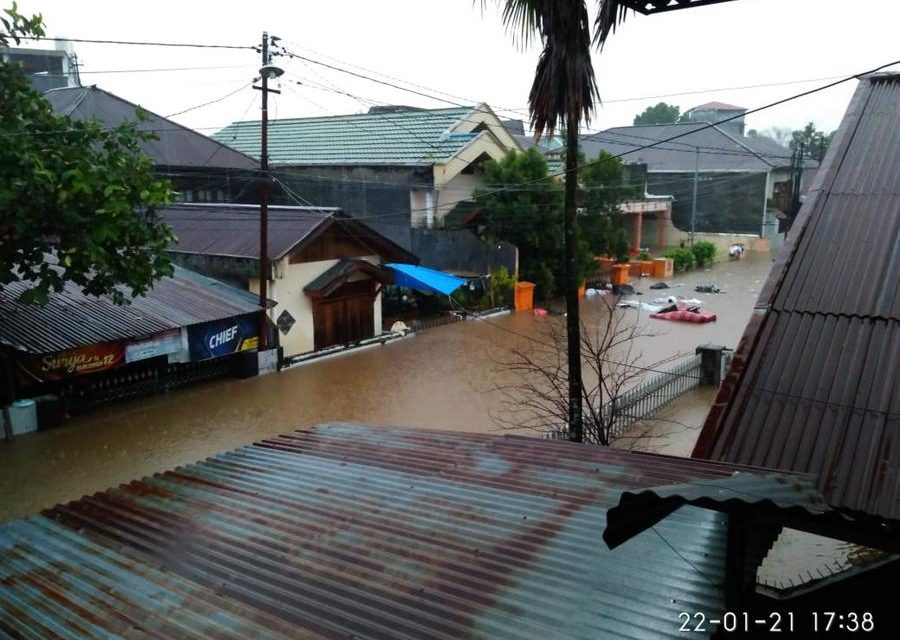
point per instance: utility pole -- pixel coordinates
(267, 72)
(573, 322)
(694, 199)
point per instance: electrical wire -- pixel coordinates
(193, 45)
(209, 102)
(680, 135)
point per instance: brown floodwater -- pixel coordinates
(443, 378)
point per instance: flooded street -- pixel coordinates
(438, 379)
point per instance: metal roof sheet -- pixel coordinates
(176, 145)
(233, 230)
(719, 150)
(404, 138)
(73, 319)
(352, 531)
(815, 382)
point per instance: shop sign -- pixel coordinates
(75, 362)
(223, 337)
(161, 344)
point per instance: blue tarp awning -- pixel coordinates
(424, 279)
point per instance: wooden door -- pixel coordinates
(346, 316)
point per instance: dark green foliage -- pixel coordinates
(502, 287)
(682, 259)
(644, 256)
(815, 143)
(77, 190)
(704, 253)
(660, 113)
(530, 216)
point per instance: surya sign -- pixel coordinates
(74, 362)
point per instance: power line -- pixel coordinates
(159, 70)
(193, 45)
(209, 102)
(705, 126)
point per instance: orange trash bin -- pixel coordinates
(620, 273)
(663, 268)
(524, 296)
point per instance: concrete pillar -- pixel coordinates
(663, 217)
(637, 223)
(711, 364)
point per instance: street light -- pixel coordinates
(267, 72)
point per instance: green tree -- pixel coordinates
(81, 194)
(603, 191)
(661, 113)
(523, 205)
(815, 143)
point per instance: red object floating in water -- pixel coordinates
(539, 312)
(683, 315)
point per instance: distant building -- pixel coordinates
(46, 68)
(399, 169)
(737, 176)
(713, 112)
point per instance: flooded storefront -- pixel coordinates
(438, 379)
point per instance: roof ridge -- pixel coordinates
(337, 116)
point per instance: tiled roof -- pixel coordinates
(351, 531)
(416, 137)
(719, 150)
(233, 230)
(176, 145)
(815, 382)
(73, 319)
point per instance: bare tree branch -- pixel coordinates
(537, 399)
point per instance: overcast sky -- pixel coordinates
(451, 46)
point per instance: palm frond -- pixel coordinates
(609, 14)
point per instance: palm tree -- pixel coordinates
(563, 92)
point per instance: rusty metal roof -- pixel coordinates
(72, 318)
(815, 382)
(232, 230)
(352, 531)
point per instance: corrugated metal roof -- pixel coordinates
(73, 319)
(757, 493)
(177, 145)
(404, 138)
(233, 230)
(719, 150)
(351, 531)
(814, 383)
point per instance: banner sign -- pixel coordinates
(161, 344)
(75, 362)
(223, 337)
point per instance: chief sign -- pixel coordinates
(222, 337)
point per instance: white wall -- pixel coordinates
(288, 291)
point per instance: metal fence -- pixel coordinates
(436, 321)
(643, 401)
